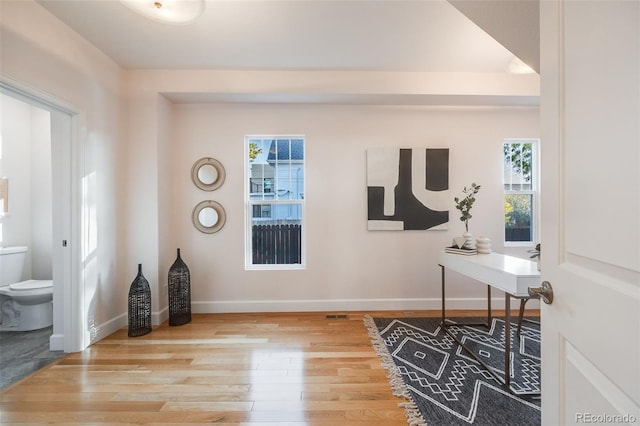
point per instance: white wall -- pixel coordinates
(26, 140)
(152, 231)
(16, 166)
(166, 201)
(41, 195)
(349, 267)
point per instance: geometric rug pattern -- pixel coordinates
(444, 385)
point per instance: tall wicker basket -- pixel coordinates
(139, 306)
(179, 293)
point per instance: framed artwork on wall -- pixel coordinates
(408, 189)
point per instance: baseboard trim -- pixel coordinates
(347, 305)
(98, 333)
(161, 316)
(122, 321)
(56, 342)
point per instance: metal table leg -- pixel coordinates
(506, 380)
(489, 316)
(443, 309)
(507, 340)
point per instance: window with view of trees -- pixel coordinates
(520, 190)
(275, 202)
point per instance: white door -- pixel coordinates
(590, 117)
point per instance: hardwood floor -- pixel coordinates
(227, 369)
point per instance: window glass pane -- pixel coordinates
(518, 214)
(261, 173)
(282, 150)
(284, 169)
(297, 149)
(297, 169)
(520, 190)
(261, 212)
(275, 201)
(256, 151)
(281, 162)
(276, 238)
(518, 161)
(256, 181)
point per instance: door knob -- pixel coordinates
(545, 292)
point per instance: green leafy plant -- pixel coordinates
(535, 253)
(465, 204)
(517, 211)
(254, 151)
(519, 157)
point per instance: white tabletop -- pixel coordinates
(507, 273)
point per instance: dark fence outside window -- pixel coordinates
(517, 234)
(277, 244)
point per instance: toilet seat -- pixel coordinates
(31, 285)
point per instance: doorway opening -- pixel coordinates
(66, 333)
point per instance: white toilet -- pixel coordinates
(25, 305)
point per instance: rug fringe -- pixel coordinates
(399, 388)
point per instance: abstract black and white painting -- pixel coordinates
(408, 189)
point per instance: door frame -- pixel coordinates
(67, 319)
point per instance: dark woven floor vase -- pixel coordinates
(179, 293)
(139, 306)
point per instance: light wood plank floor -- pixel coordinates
(228, 369)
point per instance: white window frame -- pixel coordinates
(249, 203)
(534, 192)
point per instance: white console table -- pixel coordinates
(510, 274)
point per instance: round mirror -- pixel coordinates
(207, 174)
(209, 217)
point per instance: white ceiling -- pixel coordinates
(381, 35)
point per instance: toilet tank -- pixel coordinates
(12, 260)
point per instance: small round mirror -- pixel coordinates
(207, 174)
(209, 217)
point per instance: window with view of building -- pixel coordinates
(275, 202)
(520, 190)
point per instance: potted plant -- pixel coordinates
(535, 254)
(464, 205)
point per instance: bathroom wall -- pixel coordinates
(16, 150)
(26, 161)
(41, 195)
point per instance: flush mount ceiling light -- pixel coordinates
(170, 11)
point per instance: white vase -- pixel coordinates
(468, 243)
(483, 244)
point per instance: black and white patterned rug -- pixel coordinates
(444, 385)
